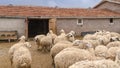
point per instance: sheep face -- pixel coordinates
(22, 38)
(70, 37)
(112, 39)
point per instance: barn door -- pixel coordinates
(52, 24)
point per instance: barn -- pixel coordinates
(33, 20)
(113, 5)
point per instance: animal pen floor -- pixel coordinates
(39, 60)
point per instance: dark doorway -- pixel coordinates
(37, 26)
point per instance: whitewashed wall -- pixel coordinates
(9, 24)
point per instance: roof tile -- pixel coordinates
(50, 11)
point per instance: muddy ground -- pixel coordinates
(39, 59)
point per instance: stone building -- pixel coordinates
(33, 20)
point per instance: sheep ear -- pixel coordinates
(67, 35)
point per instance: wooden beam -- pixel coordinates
(26, 27)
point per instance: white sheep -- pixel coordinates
(50, 33)
(114, 34)
(62, 32)
(95, 64)
(62, 37)
(101, 51)
(113, 44)
(70, 55)
(37, 40)
(103, 39)
(46, 43)
(94, 43)
(59, 47)
(22, 39)
(89, 37)
(15, 47)
(63, 43)
(22, 58)
(117, 57)
(111, 53)
(112, 39)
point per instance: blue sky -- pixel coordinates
(53, 3)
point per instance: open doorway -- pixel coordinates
(37, 26)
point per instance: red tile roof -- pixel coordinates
(31, 11)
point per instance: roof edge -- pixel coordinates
(48, 17)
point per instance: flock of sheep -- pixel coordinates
(98, 50)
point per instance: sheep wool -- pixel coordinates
(69, 56)
(22, 58)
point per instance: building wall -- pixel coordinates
(110, 6)
(9, 24)
(88, 25)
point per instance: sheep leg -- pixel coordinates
(43, 49)
(38, 47)
(53, 62)
(29, 66)
(11, 60)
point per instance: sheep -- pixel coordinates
(112, 39)
(89, 37)
(22, 58)
(59, 47)
(52, 34)
(94, 43)
(111, 53)
(101, 51)
(15, 47)
(113, 44)
(22, 39)
(117, 57)
(46, 43)
(103, 40)
(113, 34)
(62, 32)
(69, 36)
(62, 44)
(60, 37)
(95, 64)
(37, 40)
(70, 55)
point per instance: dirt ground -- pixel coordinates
(39, 59)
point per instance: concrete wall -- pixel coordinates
(9, 24)
(88, 25)
(110, 6)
